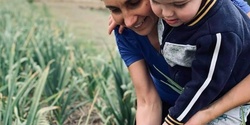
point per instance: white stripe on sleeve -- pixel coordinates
(208, 79)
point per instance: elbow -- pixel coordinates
(149, 101)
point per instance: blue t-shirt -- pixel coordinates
(133, 47)
(242, 4)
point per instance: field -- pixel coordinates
(87, 19)
(59, 67)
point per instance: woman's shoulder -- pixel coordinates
(126, 33)
(128, 36)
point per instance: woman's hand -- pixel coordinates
(112, 25)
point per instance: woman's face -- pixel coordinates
(134, 14)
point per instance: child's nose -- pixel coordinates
(166, 12)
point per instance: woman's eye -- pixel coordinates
(134, 3)
(114, 10)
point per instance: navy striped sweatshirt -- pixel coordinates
(208, 56)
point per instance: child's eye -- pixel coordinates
(179, 5)
(154, 2)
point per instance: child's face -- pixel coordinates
(134, 14)
(176, 12)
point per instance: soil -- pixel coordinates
(88, 21)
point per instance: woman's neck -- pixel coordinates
(153, 38)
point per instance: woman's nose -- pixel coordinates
(129, 20)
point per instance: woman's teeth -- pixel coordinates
(138, 25)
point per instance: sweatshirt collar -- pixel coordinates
(206, 5)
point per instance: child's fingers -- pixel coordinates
(121, 28)
(111, 28)
(110, 20)
(112, 25)
(164, 123)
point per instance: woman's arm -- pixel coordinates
(238, 95)
(148, 102)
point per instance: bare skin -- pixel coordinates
(248, 14)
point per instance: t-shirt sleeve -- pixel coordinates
(128, 46)
(242, 4)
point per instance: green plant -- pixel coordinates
(30, 1)
(45, 76)
(118, 99)
(29, 43)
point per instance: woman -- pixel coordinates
(146, 65)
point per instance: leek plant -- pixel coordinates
(34, 68)
(45, 76)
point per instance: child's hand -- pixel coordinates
(112, 25)
(164, 123)
(200, 118)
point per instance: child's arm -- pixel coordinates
(238, 95)
(215, 58)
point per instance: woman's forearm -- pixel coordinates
(149, 108)
(237, 96)
(149, 115)
(148, 101)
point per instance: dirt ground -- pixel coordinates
(88, 21)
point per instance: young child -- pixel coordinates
(206, 44)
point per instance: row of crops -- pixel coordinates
(45, 76)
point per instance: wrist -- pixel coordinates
(172, 121)
(207, 115)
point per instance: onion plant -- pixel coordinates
(45, 76)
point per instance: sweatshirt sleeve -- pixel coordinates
(214, 60)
